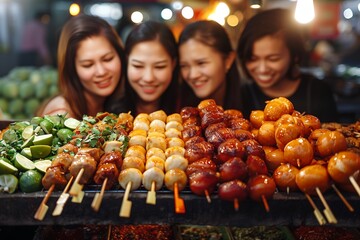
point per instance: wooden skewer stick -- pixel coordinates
(60, 203)
(76, 189)
(126, 204)
(151, 195)
(109, 233)
(355, 184)
(327, 211)
(99, 197)
(266, 205)
(347, 204)
(179, 202)
(207, 195)
(287, 190)
(317, 212)
(236, 204)
(41, 211)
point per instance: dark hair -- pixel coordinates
(275, 21)
(150, 31)
(75, 31)
(213, 35)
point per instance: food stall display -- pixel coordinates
(279, 167)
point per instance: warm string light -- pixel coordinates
(304, 11)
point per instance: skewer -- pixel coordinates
(76, 189)
(98, 197)
(236, 204)
(355, 184)
(60, 203)
(151, 195)
(179, 202)
(317, 212)
(109, 233)
(327, 211)
(266, 205)
(41, 211)
(347, 204)
(207, 195)
(126, 204)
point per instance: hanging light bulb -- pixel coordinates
(255, 4)
(304, 11)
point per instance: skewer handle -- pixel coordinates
(151, 195)
(99, 197)
(207, 195)
(355, 184)
(179, 202)
(43, 208)
(327, 211)
(317, 212)
(126, 204)
(76, 187)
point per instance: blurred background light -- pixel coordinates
(187, 12)
(304, 11)
(166, 14)
(137, 17)
(74, 9)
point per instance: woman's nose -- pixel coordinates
(148, 75)
(100, 69)
(262, 66)
(194, 73)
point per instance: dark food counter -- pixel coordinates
(293, 209)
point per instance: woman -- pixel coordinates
(207, 63)
(271, 49)
(90, 64)
(151, 81)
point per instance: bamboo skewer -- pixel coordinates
(126, 204)
(347, 204)
(151, 195)
(179, 202)
(317, 212)
(327, 211)
(109, 233)
(60, 203)
(43, 208)
(207, 195)
(76, 189)
(355, 184)
(99, 197)
(236, 204)
(265, 202)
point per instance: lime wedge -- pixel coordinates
(28, 142)
(27, 132)
(26, 152)
(23, 163)
(42, 165)
(6, 167)
(45, 139)
(36, 120)
(46, 125)
(72, 123)
(8, 183)
(40, 151)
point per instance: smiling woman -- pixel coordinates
(90, 65)
(207, 63)
(151, 81)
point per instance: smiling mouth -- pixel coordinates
(104, 84)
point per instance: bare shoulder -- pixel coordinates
(57, 105)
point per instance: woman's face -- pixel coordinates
(98, 66)
(202, 67)
(269, 62)
(150, 70)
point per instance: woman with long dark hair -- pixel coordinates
(91, 61)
